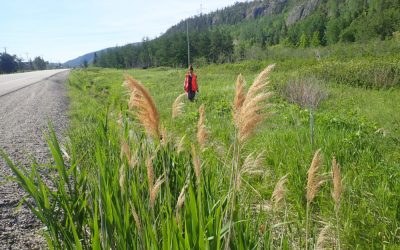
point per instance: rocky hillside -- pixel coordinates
(245, 30)
(239, 12)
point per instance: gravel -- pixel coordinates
(24, 117)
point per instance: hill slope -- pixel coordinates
(79, 61)
(246, 30)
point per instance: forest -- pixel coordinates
(246, 30)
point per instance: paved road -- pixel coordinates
(13, 82)
(24, 115)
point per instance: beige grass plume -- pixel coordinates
(122, 178)
(180, 144)
(196, 165)
(136, 218)
(249, 115)
(239, 96)
(336, 194)
(143, 103)
(202, 133)
(125, 150)
(120, 120)
(177, 106)
(314, 180)
(164, 136)
(133, 161)
(325, 238)
(279, 193)
(180, 202)
(253, 164)
(337, 182)
(153, 187)
(150, 173)
(154, 191)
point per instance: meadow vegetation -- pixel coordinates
(143, 168)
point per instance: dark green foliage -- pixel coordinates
(8, 63)
(39, 63)
(245, 30)
(370, 74)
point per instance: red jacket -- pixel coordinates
(194, 83)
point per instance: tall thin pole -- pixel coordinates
(188, 47)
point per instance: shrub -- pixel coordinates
(307, 92)
(369, 74)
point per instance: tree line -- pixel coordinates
(171, 49)
(12, 63)
(230, 35)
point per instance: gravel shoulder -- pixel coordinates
(24, 117)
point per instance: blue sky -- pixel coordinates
(59, 30)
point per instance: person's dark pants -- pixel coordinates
(191, 95)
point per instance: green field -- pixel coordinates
(103, 188)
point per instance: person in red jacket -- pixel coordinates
(190, 85)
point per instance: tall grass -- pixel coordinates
(133, 181)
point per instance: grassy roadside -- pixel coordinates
(109, 203)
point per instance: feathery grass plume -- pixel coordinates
(265, 206)
(337, 182)
(314, 180)
(146, 110)
(154, 191)
(150, 173)
(120, 120)
(136, 217)
(133, 161)
(125, 150)
(253, 164)
(221, 150)
(249, 115)
(239, 96)
(180, 202)
(337, 191)
(196, 165)
(177, 106)
(180, 144)
(122, 178)
(164, 136)
(325, 238)
(278, 195)
(202, 132)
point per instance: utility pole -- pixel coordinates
(5, 50)
(187, 35)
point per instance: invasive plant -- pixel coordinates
(336, 194)
(202, 132)
(306, 92)
(247, 115)
(314, 181)
(146, 110)
(178, 105)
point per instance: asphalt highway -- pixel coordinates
(12, 82)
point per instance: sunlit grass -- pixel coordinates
(110, 193)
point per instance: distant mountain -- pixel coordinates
(78, 62)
